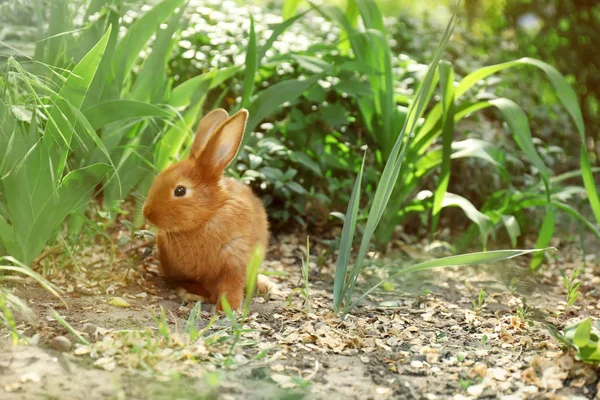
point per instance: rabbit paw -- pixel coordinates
(187, 296)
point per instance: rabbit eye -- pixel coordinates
(180, 191)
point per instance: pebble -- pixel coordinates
(416, 364)
(479, 370)
(475, 390)
(498, 374)
(88, 328)
(60, 343)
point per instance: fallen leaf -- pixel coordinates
(118, 302)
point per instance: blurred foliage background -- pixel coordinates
(306, 149)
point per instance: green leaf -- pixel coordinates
(544, 237)
(296, 187)
(193, 89)
(568, 98)
(150, 82)
(351, 16)
(334, 115)
(108, 112)
(311, 64)
(576, 215)
(512, 228)
(7, 237)
(589, 183)
(251, 66)
(582, 333)
(269, 100)
(73, 192)
(100, 87)
(483, 222)
(58, 130)
(76, 86)
(354, 88)
(519, 127)
(171, 142)
(304, 159)
(289, 8)
(138, 34)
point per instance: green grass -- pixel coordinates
(9, 303)
(345, 280)
(385, 112)
(96, 112)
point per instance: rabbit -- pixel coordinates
(208, 225)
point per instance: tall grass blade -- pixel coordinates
(576, 215)
(150, 84)
(392, 167)
(251, 66)
(289, 8)
(71, 94)
(190, 91)
(452, 261)
(545, 235)
(347, 240)
(447, 89)
(111, 111)
(519, 126)
(74, 191)
(68, 327)
(371, 15)
(277, 31)
(20, 268)
(138, 34)
(251, 276)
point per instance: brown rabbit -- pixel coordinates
(208, 225)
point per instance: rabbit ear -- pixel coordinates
(224, 143)
(206, 127)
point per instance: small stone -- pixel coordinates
(479, 370)
(531, 389)
(12, 387)
(30, 377)
(60, 343)
(475, 390)
(88, 328)
(416, 364)
(278, 368)
(499, 374)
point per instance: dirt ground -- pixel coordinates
(425, 337)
